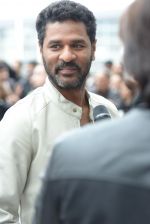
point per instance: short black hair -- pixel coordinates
(65, 10)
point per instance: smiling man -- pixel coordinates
(66, 33)
(105, 179)
(67, 54)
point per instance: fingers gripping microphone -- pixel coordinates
(100, 112)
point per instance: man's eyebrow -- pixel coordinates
(79, 41)
(74, 41)
(54, 42)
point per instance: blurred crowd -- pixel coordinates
(113, 83)
(19, 79)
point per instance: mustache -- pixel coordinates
(64, 64)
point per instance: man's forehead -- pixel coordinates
(66, 25)
(73, 31)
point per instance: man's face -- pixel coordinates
(67, 54)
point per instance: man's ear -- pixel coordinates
(93, 49)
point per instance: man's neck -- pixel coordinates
(77, 96)
(80, 98)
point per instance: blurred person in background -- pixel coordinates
(17, 68)
(28, 70)
(115, 85)
(19, 79)
(115, 82)
(38, 77)
(101, 81)
(118, 68)
(66, 33)
(129, 93)
(7, 83)
(101, 174)
(103, 87)
(108, 65)
(30, 65)
(3, 103)
(5, 77)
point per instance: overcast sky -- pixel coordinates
(30, 8)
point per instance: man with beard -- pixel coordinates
(66, 33)
(106, 179)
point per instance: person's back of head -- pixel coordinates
(135, 33)
(64, 10)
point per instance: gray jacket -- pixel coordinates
(99, 175)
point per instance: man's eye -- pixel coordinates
(78, 46)
(55, 46)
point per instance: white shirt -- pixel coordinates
(27, 133)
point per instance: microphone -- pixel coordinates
(100, 112)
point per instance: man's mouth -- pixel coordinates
(68, 70)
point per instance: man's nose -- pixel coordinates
(67, 54)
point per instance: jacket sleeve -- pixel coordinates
(15, 157)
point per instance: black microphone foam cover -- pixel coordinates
(100, 112)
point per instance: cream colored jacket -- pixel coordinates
(27, 133)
